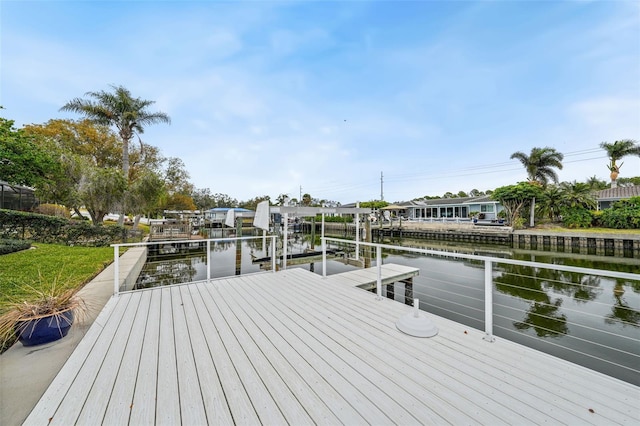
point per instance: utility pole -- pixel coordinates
(381, 187)
(300, 199)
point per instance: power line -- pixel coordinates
(479, 170)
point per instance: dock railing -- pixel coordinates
(464, 296)
(173, 246)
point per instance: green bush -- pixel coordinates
(12, 246)
(596, 220)
(56, 230)
(577, 217)
(624, 214)
(340, 219)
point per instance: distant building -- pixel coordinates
(451, 208)
(607, 197)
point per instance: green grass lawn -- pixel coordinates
(39, 266)
(555, 228)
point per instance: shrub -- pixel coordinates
(576, 217)
(624, 214)
(50, 229)
(341, 219)
(53, 210)
(12, 246)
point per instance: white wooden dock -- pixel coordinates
(293, 348)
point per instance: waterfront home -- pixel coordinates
(607, 197)
(451, 208)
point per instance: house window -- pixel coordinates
(486, 208)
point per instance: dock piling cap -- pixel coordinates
(416, 323)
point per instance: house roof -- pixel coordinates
(226, 209)
(618, 193)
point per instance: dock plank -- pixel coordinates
(102, 387)
(192, 410)
(215, 405)
(293, 347)
(290, 360)
(262, 401)
(167, 390)
(119, 404)
(143, 408)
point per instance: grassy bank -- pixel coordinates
(71, 266)
(555, 228)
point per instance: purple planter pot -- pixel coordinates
(44, 330)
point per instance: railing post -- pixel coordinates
(285, 240)
(273, 253)
(488, 301)
(116, 270)
(358, 232)
(324, 257)
(208, 260)
(379, 267)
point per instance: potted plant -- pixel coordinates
(42, 314)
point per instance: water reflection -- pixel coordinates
(621, 312)
(579, 313)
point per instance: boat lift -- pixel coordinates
(264, 212)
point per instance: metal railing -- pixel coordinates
(487, 292)
(205, 244)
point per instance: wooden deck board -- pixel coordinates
(143, 408)
(491, 373)
(118, 409)
(265, 407)
(292, 347)
(441, 363)
(213, 397)
(167, 391)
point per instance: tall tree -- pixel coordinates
(118, 108)
(101, 191)
(540, 166)
(23, 161)
(98, 143)
(514, 197)
(615, 152)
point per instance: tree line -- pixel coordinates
(101, 163)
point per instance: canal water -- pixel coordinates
(592, 321)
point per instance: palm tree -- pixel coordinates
(616, 151)
(578, 194)
(596, 184)
(550, 202)
(539, 166)
(118, 108)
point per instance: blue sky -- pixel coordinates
(267, 97)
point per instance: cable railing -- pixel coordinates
(181, 261)
(588, 316)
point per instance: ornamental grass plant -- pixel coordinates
(47, 275)
(49, 298)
